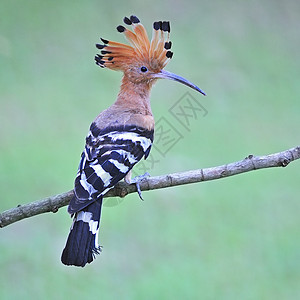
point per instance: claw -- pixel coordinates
(138, 189)
(137, 181)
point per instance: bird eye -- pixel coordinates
(144, 69)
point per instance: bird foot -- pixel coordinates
(137, 180)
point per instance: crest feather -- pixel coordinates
(118, 56)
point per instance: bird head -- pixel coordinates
(143, 61)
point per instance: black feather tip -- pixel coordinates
(99, 61)
(121, 28)
(99, 46)
(127, 21)
(157, 25)
(165, 26)
(105, 52)
(104, 41)
(169, 54)
(134, 19)
(168, 45)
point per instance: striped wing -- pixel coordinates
(108, 156)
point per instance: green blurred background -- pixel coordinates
(236, 238)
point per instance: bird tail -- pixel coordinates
(82, 244)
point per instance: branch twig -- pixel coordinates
(250, 163)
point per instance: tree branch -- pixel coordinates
(250, 163)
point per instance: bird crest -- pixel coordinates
(155, 53)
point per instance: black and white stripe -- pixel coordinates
(82, 244)
(108, 156)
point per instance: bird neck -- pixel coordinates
(134, 96)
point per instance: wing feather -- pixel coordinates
(108, 156)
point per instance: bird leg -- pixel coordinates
(136, 180)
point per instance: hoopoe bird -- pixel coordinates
(121, 135)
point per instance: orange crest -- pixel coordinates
(156, 53)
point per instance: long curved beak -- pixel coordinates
(168, 75)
